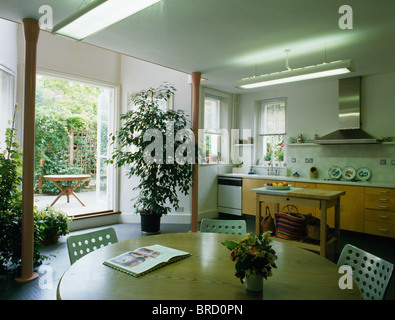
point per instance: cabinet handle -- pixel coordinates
(383, 191)
(383, 206)
(383, 230)
(383, 217)
(383, 200)
(303, 186)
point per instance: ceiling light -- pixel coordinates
(98, 15)
(300, 74)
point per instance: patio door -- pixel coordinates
(74, 118)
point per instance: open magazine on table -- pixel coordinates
(145, 259)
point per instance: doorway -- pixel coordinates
(73, 121)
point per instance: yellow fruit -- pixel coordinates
(280, 184)
(274, 184)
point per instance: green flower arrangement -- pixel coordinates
(252, 255)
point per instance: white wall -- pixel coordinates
(137, 75)
(312, 108)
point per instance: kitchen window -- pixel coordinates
(271, 115)
(216, 138)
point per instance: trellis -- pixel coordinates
(82, 150)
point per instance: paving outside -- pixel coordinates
(93, 201)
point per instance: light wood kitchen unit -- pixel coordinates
(363, 209)
(380, 211)
(352, 207)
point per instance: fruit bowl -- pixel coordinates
(278, 186)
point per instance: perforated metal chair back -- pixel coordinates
(223, 226)
(82, 244)
(371, 273)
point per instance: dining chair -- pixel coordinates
(223, 226)
(371, 273)
(81, 244)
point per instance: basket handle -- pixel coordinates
(289, 207)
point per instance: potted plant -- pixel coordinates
(11, 206)
(254, 259)
(52, 224)
(158, 146)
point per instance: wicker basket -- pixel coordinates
(313, 232)
(313, 227)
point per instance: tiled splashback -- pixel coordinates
(356, 156)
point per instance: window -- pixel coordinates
(6, 100)
(216, 139)
(271, 131)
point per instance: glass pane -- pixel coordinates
(272, 118)
(211, 114)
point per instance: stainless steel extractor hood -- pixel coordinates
(350, 131)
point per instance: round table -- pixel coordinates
(206, 275)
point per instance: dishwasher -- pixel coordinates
(229, 195)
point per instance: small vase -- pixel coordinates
(254, 282)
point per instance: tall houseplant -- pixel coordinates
(11, 207)
(158, 147)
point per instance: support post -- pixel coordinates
(195, 127)
(31, 30)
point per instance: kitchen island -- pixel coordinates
(315, 198)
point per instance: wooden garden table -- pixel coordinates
(206, 275)
(67, 190)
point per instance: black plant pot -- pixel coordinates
(150, 223)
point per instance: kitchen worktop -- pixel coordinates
(383, 184)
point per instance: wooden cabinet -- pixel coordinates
(249, 200)
(352, 207)
(380, 211)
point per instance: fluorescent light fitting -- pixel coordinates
(98, 15)
(300, 74)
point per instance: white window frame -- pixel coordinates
(263, 135)
(6, 107)
(221, 130)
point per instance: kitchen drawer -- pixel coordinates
(380, 198)
(380, 216)
(379, 205)
(380, 191)
(304, 185)
(380, 228)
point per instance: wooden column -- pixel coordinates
(31, 30)
(195, 126)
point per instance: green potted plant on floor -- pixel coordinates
(158, 147)
(52, 224)
(11, 207)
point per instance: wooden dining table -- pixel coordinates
(67, 191)
(206, 275)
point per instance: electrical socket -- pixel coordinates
(392, 162)
(308, 160)
(383, 162)
(294, 160)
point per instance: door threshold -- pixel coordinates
(93, 214)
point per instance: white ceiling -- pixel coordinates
(228, 40)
